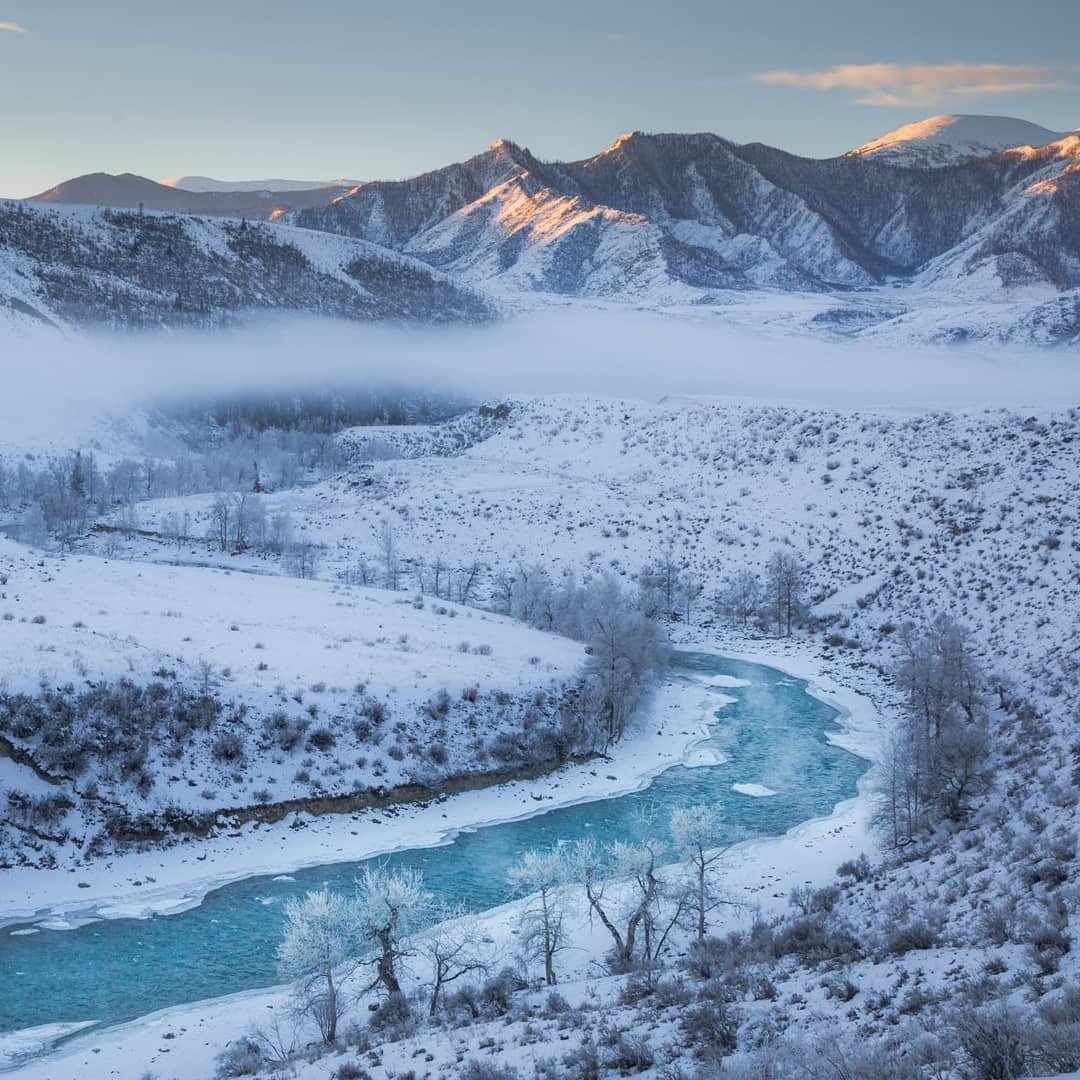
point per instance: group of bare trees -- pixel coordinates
(669, 587)
(389, 568)
(330, 939)
(937, 758)
(70, 490)
(777, 599)
(624, 890)
(626, 646)
(238, 522)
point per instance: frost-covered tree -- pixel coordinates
(390, 905)
(696, 833)
(539, 875)
(627, 651)
(625, 893)
(318, 955)
(937, 759)
(34, 529)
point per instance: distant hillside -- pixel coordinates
(129, 191)
(208, 183)
(73, 266)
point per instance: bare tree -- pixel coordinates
(302, 557)
(221, 510)
(438, 573)
(453, 950)
(388, 554)
(690, 590)
(786, 578)
(696, 831)
(538, 875)
(741, 597)
(467, 580)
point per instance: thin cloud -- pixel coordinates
(12, 28)
(927, 84)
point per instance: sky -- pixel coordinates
(239, 89)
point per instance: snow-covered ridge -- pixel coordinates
(287, 669)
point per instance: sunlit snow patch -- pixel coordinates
(16, 1046)
(727, 680)
(756, 791)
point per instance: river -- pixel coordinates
(772, 735)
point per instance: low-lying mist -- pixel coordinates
(51, 385)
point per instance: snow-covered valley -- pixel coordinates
(277, 685)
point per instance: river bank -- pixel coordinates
(139, 884)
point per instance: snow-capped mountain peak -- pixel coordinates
(948, 138)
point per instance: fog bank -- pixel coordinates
(52, 383)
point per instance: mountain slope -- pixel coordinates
(947, 139)
(71, 266)
(674, 218)
(678, 213)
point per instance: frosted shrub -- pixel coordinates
(243, 1057)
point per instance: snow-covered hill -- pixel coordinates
(71, 266)
(947, 139)
(900, 515)
(274, 689)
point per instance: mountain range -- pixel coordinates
(945, 229)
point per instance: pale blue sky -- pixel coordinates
(324, 88)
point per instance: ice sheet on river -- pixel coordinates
(16, 1046)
